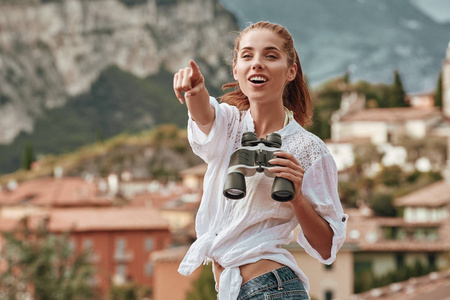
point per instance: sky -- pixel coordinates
(439, 10)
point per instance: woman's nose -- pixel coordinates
(257, 65)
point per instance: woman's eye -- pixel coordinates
(272, 56)
(246, 56)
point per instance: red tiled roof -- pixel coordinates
(175, 254)
(93, 219)
(66, 191)
(198, 170)
(433, 195)
(432, 286)
(105, 219)
(394, 114)
(156, 200)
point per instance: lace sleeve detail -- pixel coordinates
(235, 128)
(305, 146)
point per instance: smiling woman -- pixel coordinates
(243, 238)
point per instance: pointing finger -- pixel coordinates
(195, 69)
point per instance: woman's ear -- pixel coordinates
(292, 72)
(235, 72)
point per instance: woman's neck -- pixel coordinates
(267, 119)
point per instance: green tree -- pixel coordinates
(99, 135)
(129, 291)
(28, 156)
(204, 287)
(391, 176)
(382, 204)
(397, 94)
(346, 77)
(45, 266)
(438, 91)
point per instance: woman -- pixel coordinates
(243, 237)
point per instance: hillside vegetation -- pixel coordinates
(159, 153)
(118, 102)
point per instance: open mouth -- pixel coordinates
(258, 79)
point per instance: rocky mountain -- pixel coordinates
(369, 38)
(53, 50)
(74, 72)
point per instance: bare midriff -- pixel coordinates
(250, 271)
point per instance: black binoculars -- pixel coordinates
(253, 157)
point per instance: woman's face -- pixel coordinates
(261, 67)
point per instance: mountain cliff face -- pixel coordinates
(53, 50)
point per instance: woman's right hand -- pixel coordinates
(189, 81)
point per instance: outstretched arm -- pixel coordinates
(191, 82)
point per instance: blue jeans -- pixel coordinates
(281, 283)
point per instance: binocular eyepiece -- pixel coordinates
(252, 157)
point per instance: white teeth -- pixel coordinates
(258, 78)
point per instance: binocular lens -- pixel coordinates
(235, 193)
(282, 196)
(282, 189)
(234, 186)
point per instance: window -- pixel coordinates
(399, 260)
(121, 271)
(72, 245)
(148, 269)
(432, 261)
(120, 246)
(149, 244)
(87, 244)
(329, 295)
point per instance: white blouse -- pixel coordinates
(239, 232)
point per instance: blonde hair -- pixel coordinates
(295, 96)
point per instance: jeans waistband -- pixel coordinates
(269, 279)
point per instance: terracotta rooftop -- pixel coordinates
(433, 195)
(394, 114)
(106, 219)
(431, 286)
(175, 254)
(66, 191)
(93, 219)
(198, 170)
(159, 200)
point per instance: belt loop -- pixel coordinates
(280, 284)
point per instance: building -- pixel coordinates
(166, 264)
(374, 245)
(193, 177)
(386, 128)
(120, 238)
(420, 100)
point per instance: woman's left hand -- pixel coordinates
(288, 167)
